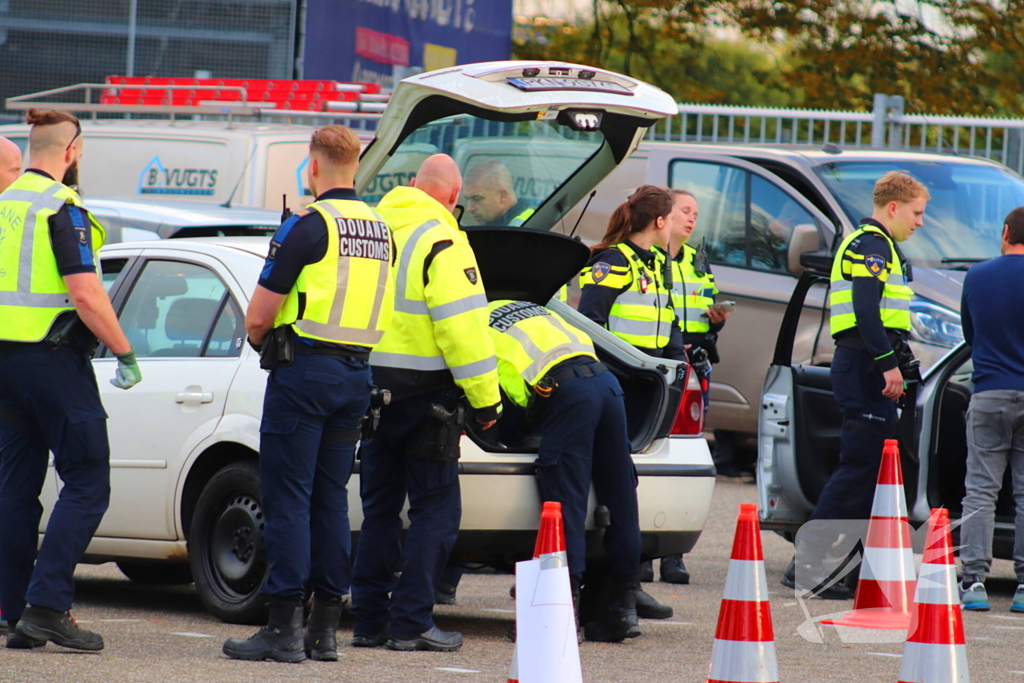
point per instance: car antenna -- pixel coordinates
(227, 202)
(594, 192)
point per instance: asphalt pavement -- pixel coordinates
(161, 633)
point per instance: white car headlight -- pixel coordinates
(934, 324)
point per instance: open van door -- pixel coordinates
(800, 423)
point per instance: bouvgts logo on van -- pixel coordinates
(155, 179)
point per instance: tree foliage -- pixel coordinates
(943, 56)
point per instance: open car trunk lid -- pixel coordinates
(548, 133)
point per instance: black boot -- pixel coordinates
(649, 608)
(17, 641)
(321, 637)
(647, 571)
(620, 621)
(45, 624)
(280, 639)
(674, 571)
(574, 586)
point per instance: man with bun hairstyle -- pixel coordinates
(53, 308)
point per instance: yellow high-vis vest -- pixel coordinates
(347, 297)
(894, 307)
(529, 340)
(643, 314)
(440, 319)
(32, 291)
(692, 294)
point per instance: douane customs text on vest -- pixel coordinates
(360, 238)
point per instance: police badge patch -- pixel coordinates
(470, 275)
(875, 264)
(600, 271)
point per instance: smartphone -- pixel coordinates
(727, 306)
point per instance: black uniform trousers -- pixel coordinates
(387, 474)
(311, 410)
(584, 440)
(49, 401)
(869, 418)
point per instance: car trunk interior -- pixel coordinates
(554, 259)
(948, 457)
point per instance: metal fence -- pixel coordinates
(887, 127)
(48, 44)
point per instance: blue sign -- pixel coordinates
(382, 41)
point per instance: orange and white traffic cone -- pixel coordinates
(935, 651)
(744, 648)
(551, 590)
(886, 586)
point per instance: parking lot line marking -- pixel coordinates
(884, 654)
(1010, 628)
(662, 621)
(116, 620)
(190, 634)
(1002, 616)
(456, 670)
(499, 609)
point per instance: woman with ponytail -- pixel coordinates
(623, 287)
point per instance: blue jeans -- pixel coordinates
(306, 460)
(48, 402)
(995, 440)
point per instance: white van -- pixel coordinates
(251, 164)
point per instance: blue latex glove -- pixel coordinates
(128, 373)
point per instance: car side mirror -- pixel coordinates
(804, 239)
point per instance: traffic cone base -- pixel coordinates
(930, 663)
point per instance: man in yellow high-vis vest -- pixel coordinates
(436, 349)
(870, 320)
(53, 307)
(322, 304)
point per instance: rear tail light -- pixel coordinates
(690, 416)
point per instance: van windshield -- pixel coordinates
(963, 223)
(509, 169)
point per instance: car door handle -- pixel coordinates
(194, 397)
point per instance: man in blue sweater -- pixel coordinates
(992, 309)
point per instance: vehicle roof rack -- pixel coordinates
(267, 100)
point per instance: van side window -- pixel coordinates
(721, 193)
(746, 220)
(773, 215)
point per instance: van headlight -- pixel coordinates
(934, 324)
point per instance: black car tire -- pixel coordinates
(228, 558)
(156, 572)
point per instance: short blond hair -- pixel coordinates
(338, 144)
(898, 186)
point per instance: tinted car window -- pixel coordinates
(171, 308)
(111, 268)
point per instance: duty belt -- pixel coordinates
(559, 374)
(303, 349)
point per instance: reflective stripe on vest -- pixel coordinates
(414, 320)
(532, 339)
(31, 302)
(641, 318)
(692, 295)
(894, 306)
(348, 298)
